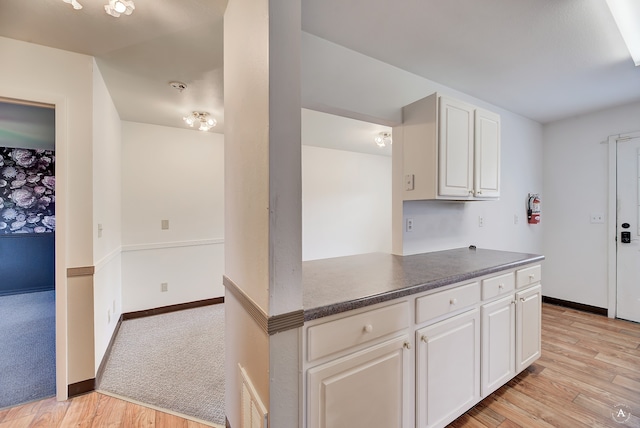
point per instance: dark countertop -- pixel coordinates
(340, 284)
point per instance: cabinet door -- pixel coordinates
(498, 343)
(528, 323)
(486, 183)
(448, 369)
(369, 388)
(455, 148)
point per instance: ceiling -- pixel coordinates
(542, 59)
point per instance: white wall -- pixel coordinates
(575, 170)
(177, 175)
(39, 73)
(365, 88)
(107, 160)
(346, 203)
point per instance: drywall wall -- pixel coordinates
(64, 79)
(346, 203)
(176, 175)
(107, 159)
(368, 89)
(575, 170)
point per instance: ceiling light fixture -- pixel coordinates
(627, 16)
(74, 3)
(383, 138)
(116, 8)
(206, 122)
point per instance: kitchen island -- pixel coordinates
(415, 341)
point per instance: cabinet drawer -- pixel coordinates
(334, 336)
(434, 305)
(528, 276)
(492, 287)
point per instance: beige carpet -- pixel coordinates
(172, 361)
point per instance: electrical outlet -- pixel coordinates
(480, 221)
(516, 219)
(164, 286)
(108, 316)
(409, 182)
(409, 226)
(164, 224)
(597, 218)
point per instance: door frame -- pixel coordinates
(612, 220)
(60, 104)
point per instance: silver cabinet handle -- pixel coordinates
(424, 338)
(407, 345)
(368, 328)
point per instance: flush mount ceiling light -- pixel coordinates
(627, 16)
(206, 122)
(74, 3)
(383, 138)
(116, 8)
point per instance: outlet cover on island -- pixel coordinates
(164, 224)
(164, 286)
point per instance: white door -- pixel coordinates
(455, 148)
(486, 181)
(498, 343)
(628, 228)
(365, 389)
(448, 369)
(528, 327)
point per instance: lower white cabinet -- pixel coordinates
(369, 388)
(528, 326)
(498, 343)
(470, 339)
(448, 369)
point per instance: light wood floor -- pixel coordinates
(90, 410)
(589, 364)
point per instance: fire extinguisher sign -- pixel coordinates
(533, 208)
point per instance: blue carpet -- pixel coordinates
(27, 347)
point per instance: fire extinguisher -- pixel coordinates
(533, 208)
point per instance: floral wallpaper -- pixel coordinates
(27, 191)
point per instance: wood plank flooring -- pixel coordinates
(87, 411)
(589, 364)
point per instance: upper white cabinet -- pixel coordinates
(449, 149)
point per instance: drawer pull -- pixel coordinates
(453, 301)
(532, 276)
(368, 328)
(500, 286)
(407, 345)
(424, 338)
(522, 299)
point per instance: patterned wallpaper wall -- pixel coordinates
(27, 191)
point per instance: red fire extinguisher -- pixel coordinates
(533, 208)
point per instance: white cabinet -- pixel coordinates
(486, 182)
(447, 369)
(528, 326)
(369, 388)
(455, 148)
(498, 343)
(449, 150)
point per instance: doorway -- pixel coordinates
(624, 226)
(628, 227)
(27, 251)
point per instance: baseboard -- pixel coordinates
(107, 352)
(79, 388)
(172, 308)
(573, 305)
